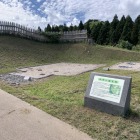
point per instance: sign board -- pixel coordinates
(108, 93)
(107, 88)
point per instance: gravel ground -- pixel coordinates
(14, 79)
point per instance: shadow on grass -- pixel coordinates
(133, 116)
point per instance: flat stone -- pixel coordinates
(131, 63)
(42, 73)
(17, 83)
(27, 78)
(39, 69)
(134, 66)
(106, 69)
(56, 71)
(23, 70)
(13, 84)
(125, 67)
(65, 69)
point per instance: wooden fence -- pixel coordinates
(19, 30)
(11, 28)
(74, 36)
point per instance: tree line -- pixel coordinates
(105, 32)
(112, 32)
(63, 28)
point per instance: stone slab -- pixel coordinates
(65, 69)
(135, 66)
(108, 93)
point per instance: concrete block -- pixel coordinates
(108, 93)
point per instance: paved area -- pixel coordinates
(21, 121)
(135, 66)
(66, 69)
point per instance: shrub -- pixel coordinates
(125, 45)
(53, 36)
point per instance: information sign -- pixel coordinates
(107, 88)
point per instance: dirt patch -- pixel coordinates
(135, 66)
(65, 69)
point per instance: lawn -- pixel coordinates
(63, 97)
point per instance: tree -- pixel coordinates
(71, 27)
(61, 28)
(87, 27)
(119, 28)
(39, 29)
(135, 31)
(56, 28)
(65, 28)
(95, 31)
(75, 28)
(103, 37)
(53, 28)
(126, 34)
(81, 26)
(48, 29)
(113, 26)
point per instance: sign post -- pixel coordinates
(108, 93)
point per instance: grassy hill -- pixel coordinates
(17, 52)
(63, 96)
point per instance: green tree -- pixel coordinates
(75, 28)
(119, 28)
(53, 28)
(61, 28)
(87, 27)
(135, 31)
(103, 37)
(39, 29)
(95, 31)
(113, 26)
(71, 27)
(127, 30)
(65, 28)
(48, 28)
(56, 28)
(81, 26)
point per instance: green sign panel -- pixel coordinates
(107, 88)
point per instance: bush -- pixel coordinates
(125, 45)
(54, 37)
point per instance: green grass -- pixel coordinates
(17, 52)
(63, 97)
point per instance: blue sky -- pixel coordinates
(34, 13)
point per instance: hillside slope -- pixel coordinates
(17, 52)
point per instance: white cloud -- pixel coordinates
(129, 7)
(80, 10)
(65, 11)
(14, 11)
(90, 9)
(38, 0)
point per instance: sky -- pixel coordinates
(34, 13)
